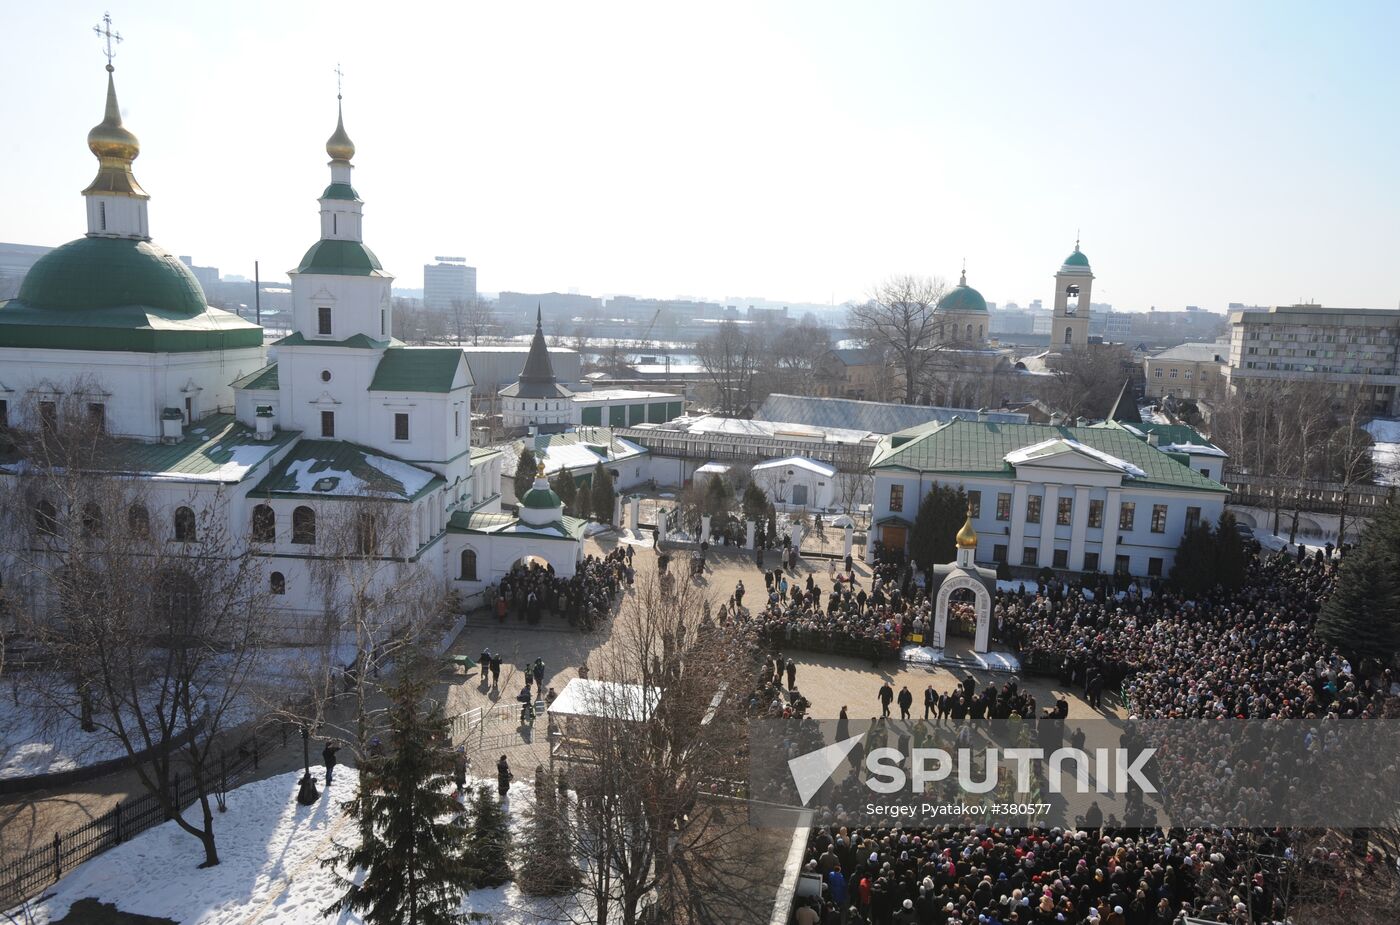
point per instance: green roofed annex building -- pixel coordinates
(336, 438)
(1107, 497)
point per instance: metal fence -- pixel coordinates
(29, 874)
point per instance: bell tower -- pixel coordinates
(1073, 285)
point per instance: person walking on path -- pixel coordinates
(906, 700)
(496, 670)
(503, 777)
(886, 698)
(791, 668)
(930, 701)
(328, 757)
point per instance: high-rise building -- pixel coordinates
(447, 283)
(208, 276)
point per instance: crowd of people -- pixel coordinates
(1245, 653)
(530, 588)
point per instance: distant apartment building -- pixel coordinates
(15, 261)
(208, 276)
(1195, 371)
(858, 372)
(1355, 352)
(556, 306)
(448, 283)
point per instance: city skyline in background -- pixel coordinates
(795, 153)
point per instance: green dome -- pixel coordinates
(1077, 259)
(962, 298)
(541, 498)
(111, 272)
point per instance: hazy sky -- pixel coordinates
(1210, 152)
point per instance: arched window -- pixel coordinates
(92, 519)
(264, 524)
(138, 521)
(304, 525)
(1069, 335)
(468, 565)
(46, 517)
(277, 583)
(969, 331)
(184, 525)
(177, 604)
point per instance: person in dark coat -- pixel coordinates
(906, 700)
(496, 670)
(503, 776)
(791, 669)
(886, 698)
(328, 758)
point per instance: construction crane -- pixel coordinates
(646, 336)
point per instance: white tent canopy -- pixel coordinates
(605, 700)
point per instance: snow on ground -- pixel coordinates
(269, 849)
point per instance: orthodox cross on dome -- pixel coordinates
(339, 74)
(104, 31)
(963, 281)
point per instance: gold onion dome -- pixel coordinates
(967, 537)
(115, 148)
(339, 146)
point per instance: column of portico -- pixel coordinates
(1048, 513)
(1079, 527)
(1018, 523)
(1110, 530)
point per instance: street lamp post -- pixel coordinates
(307, 793)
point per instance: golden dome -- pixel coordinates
(115, 148)
(967, 537)
(109, 138)
(539, 469)
(339, 146)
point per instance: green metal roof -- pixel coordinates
(358, 341)
(340, 258)
(541, 499)
(962, 298)
(339, 468)
(126, 328)
(565, 528)
(978, 449)
(264, 379)
(1077, 259)
(418, 369)
(94, 273)
(341, 191)
(215, 448)
(483, 452)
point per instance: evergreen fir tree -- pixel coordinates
(525, 469)
(602, 497)
(410, 850)
(1362, 617)
(545, 866)
(755, 503)
(1194, 570)
(565, 487)
(488, 842)
(1231, 559)
(941, 514)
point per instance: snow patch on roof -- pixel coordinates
(798, 462)
(1037, 451)
(1194, 449)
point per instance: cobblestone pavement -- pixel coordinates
(829, 681)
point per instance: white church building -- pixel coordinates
(338, 420)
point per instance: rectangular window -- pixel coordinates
(4, 413)
(1157, 373)
(1126, 512)
(327, 423)
(323, 319)
(974, 503)
(1091, 562)
(382, 315)
(1064, 513)
(1205, 472)
(97, 414)
(1171, 375)
(1120, 565)
(401, 426)
(1154, 567)
(1030, 555)
(456, 423)
(1033, 509)
(999, 552)
(48, 415)
(1159, 518)
(896, 497)
(1096, 513)
(1003, 505)
(1061, 558)
(1193, 518)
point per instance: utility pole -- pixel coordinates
(257, 294)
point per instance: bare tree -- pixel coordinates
(148, 609)
(1086, 382)
(899, 318)
(854, 489)
(732, 358)
(794, 353)
(654, 824)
